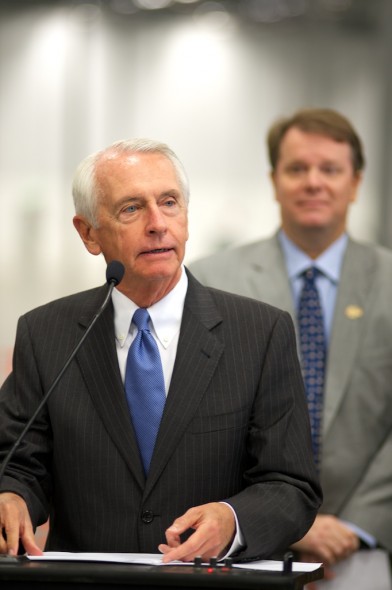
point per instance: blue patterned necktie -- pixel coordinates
(313, 354)
(144, 386)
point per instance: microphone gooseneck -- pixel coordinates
(114, 274)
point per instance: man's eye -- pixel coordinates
(330, 169)
(296, 168)
(129, 209)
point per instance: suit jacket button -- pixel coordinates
(147, 516)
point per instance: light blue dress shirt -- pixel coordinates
(329, 263)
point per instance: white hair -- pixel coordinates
(85, 187)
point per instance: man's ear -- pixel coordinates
(87, 234)
(272, 175)
(356, 184)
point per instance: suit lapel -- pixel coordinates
(99, 365)
(266, 275)
(197, 357)
(352, 305)
(198, 354)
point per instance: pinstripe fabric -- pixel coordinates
(234, 427)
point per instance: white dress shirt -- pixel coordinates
(166, 317)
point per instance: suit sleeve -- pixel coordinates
(370, 506)
(27, 473)
(283, 495)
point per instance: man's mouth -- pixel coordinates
(313, 203)
(157, 251)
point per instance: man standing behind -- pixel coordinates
(343, 290)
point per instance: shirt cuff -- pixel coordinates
(238, 542)
(363, 535)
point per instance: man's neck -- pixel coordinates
(312, 241)
(150, 292)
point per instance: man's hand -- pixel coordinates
(15, 525)
(328, 540)
(214, 526)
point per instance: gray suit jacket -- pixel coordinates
(234, 428)
(357, 448)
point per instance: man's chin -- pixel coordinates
(161, 272)
(313, 222)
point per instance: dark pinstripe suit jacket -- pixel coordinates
(234, 428)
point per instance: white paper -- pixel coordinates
(137, 558)
(265, 565)
(269, 565)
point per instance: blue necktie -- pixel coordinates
(313, 353)
(144, 386)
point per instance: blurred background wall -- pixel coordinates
(206, 77)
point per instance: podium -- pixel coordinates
(56, 575)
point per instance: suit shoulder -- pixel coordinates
(227, 303)
(371, 255)
(250, 316)
(383, 254)
(371, 247)
(231, 268)
(244, 304)
(229, 255)
(75, 303)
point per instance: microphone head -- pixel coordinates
(114, 272)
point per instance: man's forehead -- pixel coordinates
(115, 158)
(134, 166)
(296, 141)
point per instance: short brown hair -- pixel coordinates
(322, 121)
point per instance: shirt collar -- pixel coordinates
(329, 262)
(166, 314)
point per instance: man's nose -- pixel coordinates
(314, 177)
(156, 220)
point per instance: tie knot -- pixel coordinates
(311, 273)
(141, 318)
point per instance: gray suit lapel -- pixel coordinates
(99, 365)
(198, 354)
(265, 275)
(351, 308)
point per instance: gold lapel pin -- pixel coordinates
(353, 312)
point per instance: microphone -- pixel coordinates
(114, 274)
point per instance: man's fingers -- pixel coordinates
(188, 520)
(329, 540)
(31, 547)
(3, 541)
(15, 525)
(180, 525)
(187, 551)
(214, 529)
(182, 551)
(11, 534)
(28, 540)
